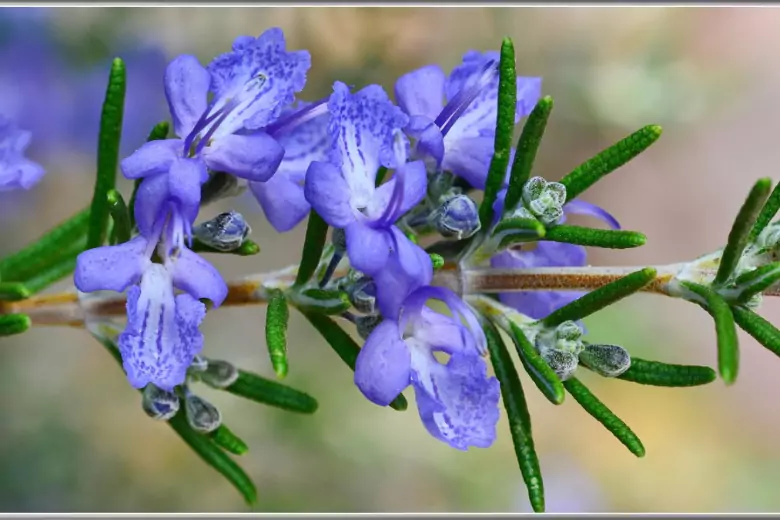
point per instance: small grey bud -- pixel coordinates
(202, 416)
(533, 188)
(219, 374)
(606, 360)
(199, 364)
(225, 232)
(339, 240)
(456, 217)
(563, 363)
(220, 185)
(440, 184)
(366, 324)
(362, 295)
(159, 404)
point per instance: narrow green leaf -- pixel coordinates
(591, 404)
(212, 455)
(42, 252)
(602, 297)
(545, 379)
(13, 291)
(261, 390)
(276, 319)
(740, 230)
(228, 441)
(11, 324)
(64, 267)
(605, 162)
(247, 248)
(346, 347)
(313, 244)
(528, 226)
(655, 373)
(725, 329)
(158, 133)
(761, 330)
(607, 238)
(325, 301)
(519, 419)
(767, 213)
(756, 281)
(108, 152)
(527, 146)
(505, 124)
(118, 211)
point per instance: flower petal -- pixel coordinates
(184, 181)
(258, 78)
(150, 199)
(253, 157)
(382, 369)
(408, 268)
(328, 193)
(186, 88)
(469, 158)
(305, 142)
(421, 92)
(430, 141)
(457, 402)
(198, 278)
(111, 268)
(153, 158)
(580, 207)
(362, 129)
(282, 201)
(160, 340)
(22, 174)
(368, 248)
(413, 180)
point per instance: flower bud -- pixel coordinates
(366, 324)
(199, 364)
(563, 363)
(339, 240)
(202, 416)
(606, 360)
(219, 374)
(456, 217)
(159, 404)
(543, 200)
(362, 294)
(566, 337)
(220, 185)
(225, 232)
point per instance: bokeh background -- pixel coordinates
(72, 434)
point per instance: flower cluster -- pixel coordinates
(239, 117)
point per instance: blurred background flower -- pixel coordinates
(73, 436)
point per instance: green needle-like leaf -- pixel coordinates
(213, 455)
(602, 297)
(259, 389)
(120, 216)
(545, 379)
(527, 146)
(13, 291)
(11, 324)
(505, 124)
(591, 404)
(276, 319)
(519, 419)
(247, 248)
(756, 281)
(325, 301)
(313, 245)
(740, 230)
(228, 441)
(761, 330)
(725, 329)
(159, 132)
(52, 274)
(607, 238)
(529, 228)
(108, 153)
(655, 373)
(591, 171)
(44, 251)
(346, 347)
(767, 213)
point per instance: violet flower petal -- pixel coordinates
(282, 200)
(197, 277)
(153, 158)
(253, 157)
(382, 369)
(328, 193)
(111, 268)
(186, 89)
(421, 92)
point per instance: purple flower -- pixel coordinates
(459, 135)
(365, 133)
(16, 171)
(161, 337)
(303, 133)
(251, 85)
(457, 401)
(538, 304)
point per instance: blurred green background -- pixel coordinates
(73, 436)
